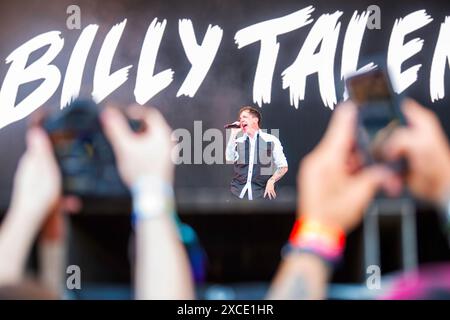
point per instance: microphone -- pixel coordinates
(235, 124)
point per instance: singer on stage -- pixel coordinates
(259, 161)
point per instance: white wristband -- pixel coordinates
(152, 197)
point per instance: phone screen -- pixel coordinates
(378, 112)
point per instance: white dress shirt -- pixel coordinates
(231, 154)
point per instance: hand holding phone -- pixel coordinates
(379, 114)
(83, 152)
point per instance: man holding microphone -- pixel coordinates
(254, 153)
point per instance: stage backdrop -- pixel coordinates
(202, 60)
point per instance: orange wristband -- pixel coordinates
(313, 236)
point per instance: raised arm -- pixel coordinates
(36, 191)
(162, 269)
(332, 196)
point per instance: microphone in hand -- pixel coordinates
(235, 124)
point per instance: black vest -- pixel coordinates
(262, 167)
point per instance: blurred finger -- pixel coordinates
(354, 162)
(339, 137)
(156, 121)
(415, 113)
(393, 185)
(38, 117)
(137, 113)
(152, 119)
(38, 141)
(366, 183)
(399, 144)
(116, 127)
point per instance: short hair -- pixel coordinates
(253, 111)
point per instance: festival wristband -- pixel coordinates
(152, 198)
(309, 235)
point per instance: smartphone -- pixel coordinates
(84, 154)
(379, 115)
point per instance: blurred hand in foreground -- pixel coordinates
(424, 145)
(140, 154)
(37, 183)
(333, 188)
